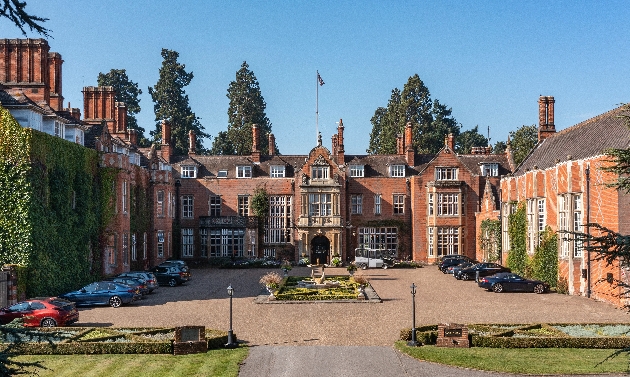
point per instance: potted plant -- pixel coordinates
(286, 267)
(336, 261)
(271, 281)
(351, 268)
(362, 281)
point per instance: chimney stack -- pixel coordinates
(409, 152)
(166, 148)
(340, 147)
(546, 126)
(192, 142)
(255, 140)
(121, 117)
(272, 145)
(449, 140)
(335, 137)
(133, 137)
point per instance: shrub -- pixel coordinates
(271, 280)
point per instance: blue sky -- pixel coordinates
(489, 61)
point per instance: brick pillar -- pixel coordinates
(340, 146)
(192, 142)
(272, 145)
(409, 152)
(166, 148)
(255, 142)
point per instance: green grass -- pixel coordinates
(523, 360)
(223, 362)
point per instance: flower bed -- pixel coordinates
(291, 291)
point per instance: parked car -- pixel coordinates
(133, 282)
(452, 261)
(455, 269)
(171, 275)
(481, 269)
(48, 312)
(147, 277)
(103, 293)
(509, 282)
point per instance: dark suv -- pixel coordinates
(171, 275)
(452, 261)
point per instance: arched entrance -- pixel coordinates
(320, 247)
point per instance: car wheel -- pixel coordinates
(115, 301)
(48, 322)
(465, 277)
(539, 288)
(497, 288)
(364, 266)
(172, 283)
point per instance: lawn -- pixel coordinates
(222, 363)
(523, 360)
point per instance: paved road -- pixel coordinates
(439, 298)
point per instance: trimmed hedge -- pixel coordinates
(522, 336)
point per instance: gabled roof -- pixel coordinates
(584, 140)
(377, 165)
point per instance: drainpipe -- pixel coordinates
(588, 231)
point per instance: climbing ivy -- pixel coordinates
(51, 214)
(544, 264)
(260, 202)
(517, 231)
(490, 239)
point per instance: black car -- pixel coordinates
(509, 282)
(171, 275)
(452, 261)
(453, 270)
(481, 269)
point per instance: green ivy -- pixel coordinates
(51, 214)
(517, 259)
(260, 202)
(490, 239)
(544, 264)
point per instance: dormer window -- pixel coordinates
(445, 174)
(243, 172)
(222, 174)
(277, 171)
(319, 172)
(397, 171)
(189, 171)
(490, 170)
(356, 170)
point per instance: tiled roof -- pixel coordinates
(473, 162)
(587, 139)
(377, 165)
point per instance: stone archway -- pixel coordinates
(320, 248)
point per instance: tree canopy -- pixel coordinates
(247, 107)
(15, 12)
(431, 120)
(171, 103)
(522, 141)
(469, 139)
(127, 91)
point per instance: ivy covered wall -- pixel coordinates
(51, 209)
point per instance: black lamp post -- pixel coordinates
(230, 340)
(413, 342)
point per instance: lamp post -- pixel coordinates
(413, 342)
(230, 340)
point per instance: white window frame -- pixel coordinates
(578, 248)
(214, 206)
(189, 171)
(443, 173)
(490, 170)
(397, 171)
(222, 173)
(379, 238)
(243, 205)
(319, 172)
(278, 229)
(125, 193)
(125, 248)
(398, 204)
(430, 204)
(447, 204)
(356, 204)
(188, 243)
(188, 205)
(357, 171)
(431, 241)
(377, 204)
(134, 250)
(277, 171)
(320, 204)
(448, 241)
(203, 241)
(563, 225)
(243, 171)
(159, 205)
(160, 243)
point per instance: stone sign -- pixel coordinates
(190, 339)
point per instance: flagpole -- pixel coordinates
(317, 106)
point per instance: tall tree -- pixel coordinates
(499, 147)
(522, 141)
(14, 11)
(431, 120)
(469, 139)
(247, 107)
(127, 91)
(171, 104)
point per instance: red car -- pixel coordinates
(48, 312)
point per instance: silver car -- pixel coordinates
(147, 277)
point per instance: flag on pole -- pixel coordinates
(319, 79)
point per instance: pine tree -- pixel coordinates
(247, 107)
(127, 91)
(431, 120)
(171, 104)
(14, 11)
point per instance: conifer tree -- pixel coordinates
(15, 12)
(127, 91)
(522, 141)
(171, 104)
(247, 107)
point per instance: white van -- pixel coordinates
(372, 258)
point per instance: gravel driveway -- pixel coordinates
(439, 298)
